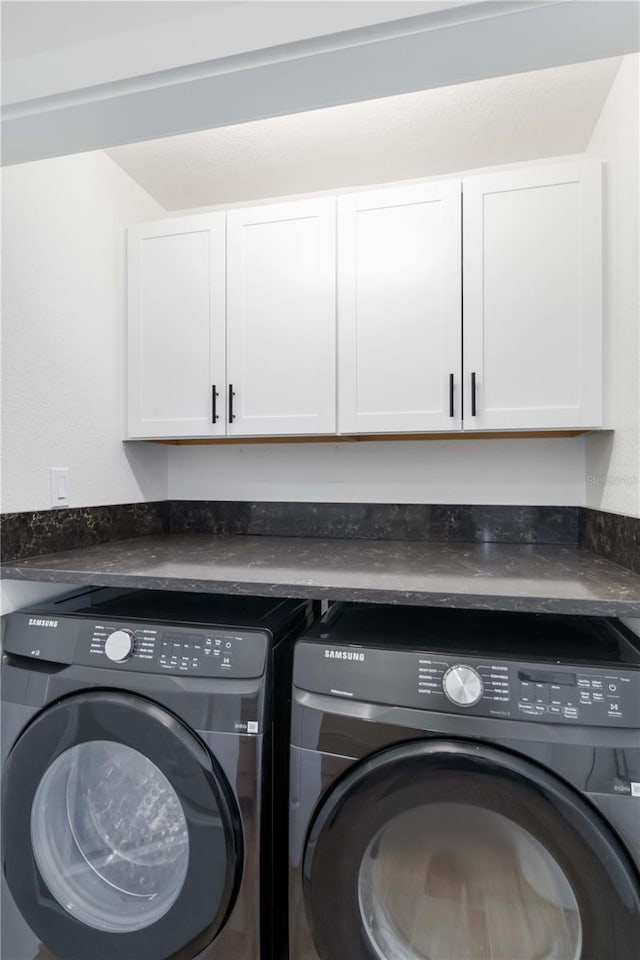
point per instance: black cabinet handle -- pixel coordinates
(232, 394)
(214, 412)
(473, 394)
(451, 410)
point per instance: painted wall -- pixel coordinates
(548, 472)
(62, 334)
(613, 460)
(63, 223)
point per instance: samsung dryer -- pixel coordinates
(464, 786)
(137, 733)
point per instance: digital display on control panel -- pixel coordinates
(182, 637)
(548, 676)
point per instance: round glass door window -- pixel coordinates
(457, 882)
(109, 836)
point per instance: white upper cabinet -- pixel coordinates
(176, 327)
(281, 319)
(469, 304)
(532, 298)
(400, 309)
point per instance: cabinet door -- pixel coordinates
(400, 309)
(532, 254)
(176, 328)
(281, 319)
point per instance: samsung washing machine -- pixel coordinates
(465, 786)
(137, 732)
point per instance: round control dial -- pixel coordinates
(119, 645)
(463, 685)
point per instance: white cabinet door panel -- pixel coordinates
(532, 298)
(281, 318)
(399, 309)
(176, 327)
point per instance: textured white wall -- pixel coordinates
(443, 471)
(543, 113)
(613, 460)
(62, 334)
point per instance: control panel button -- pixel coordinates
(119, 645)
(540, 693)
(462, 685)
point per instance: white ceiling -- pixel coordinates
(501, 120)
(33, 26)
(52, 46)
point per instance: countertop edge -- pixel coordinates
(470, 601)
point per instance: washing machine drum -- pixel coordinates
(455, 851)
(121, 834)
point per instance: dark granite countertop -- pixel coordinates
(496, 576)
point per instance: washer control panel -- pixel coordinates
(217, 652)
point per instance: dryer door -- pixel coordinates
(457, 851)
(121, 834)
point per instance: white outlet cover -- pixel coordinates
(59, 480)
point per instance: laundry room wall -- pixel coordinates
(63, 309)
(63, 225)
(545, 472)
(613, 459)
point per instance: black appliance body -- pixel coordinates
(464, 786)
(137, 731)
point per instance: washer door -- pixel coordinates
(122, 837)
(456, 851)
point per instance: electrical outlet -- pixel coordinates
(59, 478)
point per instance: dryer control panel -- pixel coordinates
(582, 694)
(462, 683)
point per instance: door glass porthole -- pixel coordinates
(457, 882)
(109, 836)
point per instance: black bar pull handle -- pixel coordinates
(451, 388)
(232, 394)
(473, 394)
(214, 397)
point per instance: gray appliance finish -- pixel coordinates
(137, 731)
(464, 786)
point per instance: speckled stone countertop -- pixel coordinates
(483, 576)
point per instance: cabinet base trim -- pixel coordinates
(376, 437)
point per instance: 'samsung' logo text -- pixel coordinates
(343, 655)
(40, 622)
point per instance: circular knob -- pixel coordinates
(462, 685)
(119, 645)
